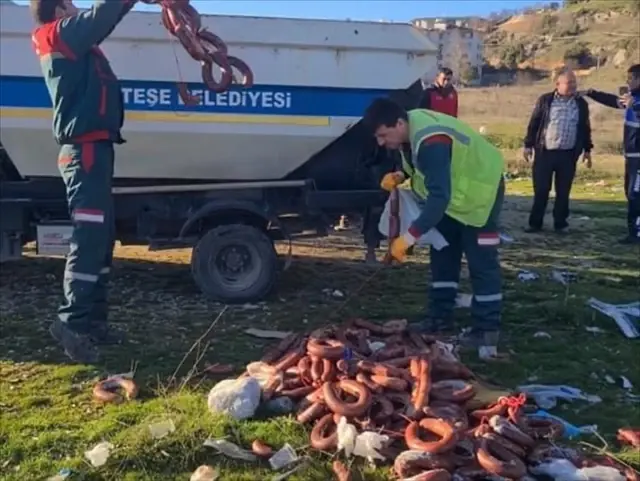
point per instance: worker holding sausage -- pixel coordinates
(88, 114)
(458, 177)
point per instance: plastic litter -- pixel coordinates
(409, 211)
(570, 431)
(527, 276)
(230, 450)
(205, 473)
(161, 429)
(627, 316)
(239, 398)
(280, 477)
(564, 277)
(594, 330)
(542, 334)
(284, 457)
(564, 470)
(61, 476)
(506, 238)
(546, 396)
(367, 445)
(99, 454)
(279, 405)
(347, 434)
(626, 384)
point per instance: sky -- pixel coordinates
(389, 10)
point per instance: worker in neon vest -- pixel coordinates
(458, 177)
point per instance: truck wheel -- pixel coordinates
(235, 263)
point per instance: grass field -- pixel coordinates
(48, 418)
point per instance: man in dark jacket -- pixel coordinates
(559, 132)
(631, 145)
(88, 114)
(440, 96)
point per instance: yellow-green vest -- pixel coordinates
(476, 165)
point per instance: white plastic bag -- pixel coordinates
(408, 212)
(347, 434)
(237, 397)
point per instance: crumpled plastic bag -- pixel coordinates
(564, 470)
(347, 434)
(231, 450)
(367, 445)
(99, 454)
(238, 398)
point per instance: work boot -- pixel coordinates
(433, 327)
(104, 335)
(485, 342)
(370, 256)
(78, 347)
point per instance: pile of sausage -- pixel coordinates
(414, 391)
(183, 22)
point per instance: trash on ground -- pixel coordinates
(279, 405)
(547, 396)
(609, 379)
(266, 334)
(281, 477)
(161, 429)
(338, 294)
(205, 473)
(594, 330)
(506, 238)
(231, 450)
(627, 316)
(368, 444)
(570, 431)
(239, 398)
(565, 470)
(527, 276)
(61, 476)
(626, 384)
(464, 300)
(99, 454)
(347, 434)
(542, 334)
(284, 457)
(564, 277)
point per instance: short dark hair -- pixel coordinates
(634, 70)
(383, 112)
(44, 11)
(445, 71)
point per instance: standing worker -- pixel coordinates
(631, 145)
(88, 113)
(559, 131)
(458, 175)
(441, 96)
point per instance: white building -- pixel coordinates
(459, 47)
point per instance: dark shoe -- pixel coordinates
(629, 240)
(78, 347)
(561, 230)
(104, 335)
(474, 338)
(533, 230)
(370, 257)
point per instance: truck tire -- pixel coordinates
(235, 263)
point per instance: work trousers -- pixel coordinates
(87, 171)
(480, 246)
(559, 167)
(632, 190)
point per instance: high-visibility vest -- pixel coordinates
(477, 165)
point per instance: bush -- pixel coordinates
(512, 54)
(578, 54)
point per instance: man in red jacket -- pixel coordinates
(440, 96)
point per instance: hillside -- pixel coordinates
(584, 33)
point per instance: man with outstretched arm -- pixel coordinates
(631, 145)
(458, 176)
(88, 114)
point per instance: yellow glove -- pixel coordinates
(400, 245)
(392, 180)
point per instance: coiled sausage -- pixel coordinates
(324, 435)
(499, 461)
(355, 409)
(442, 429)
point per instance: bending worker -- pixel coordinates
(459, 177)
(88, 114)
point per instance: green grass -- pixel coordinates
(48, 418)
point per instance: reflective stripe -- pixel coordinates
(489, 298)
(89, 215)
(105, 270)
(636, 183)
(632, 155)
(631, 123)
(440, 129)
(488, 239)
(79, 276)
(445, 285)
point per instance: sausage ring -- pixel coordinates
(392, 383)
(539, 427)
(453, 390)
(499, 461)
(444, 430)
(311, 413)
(409, 463)
(347, 409)
(324, 435)
(261, 449)
(326, 349)
(106, 391)
(510, 431)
